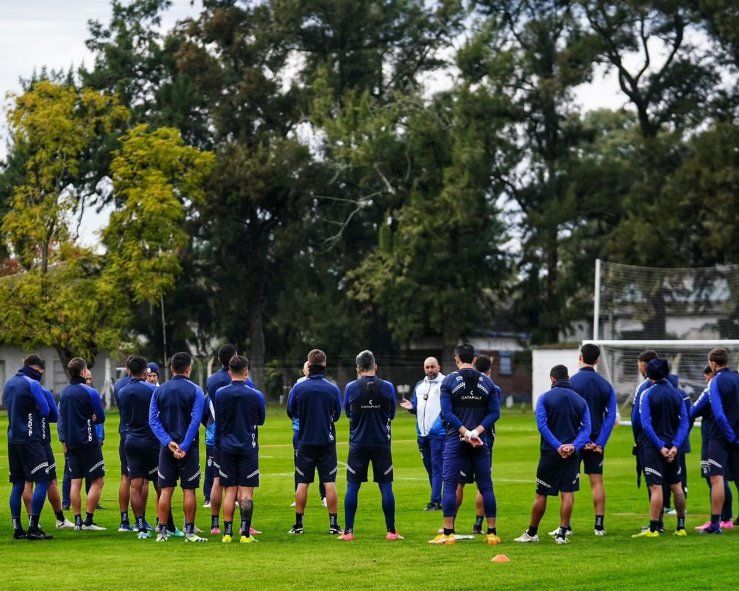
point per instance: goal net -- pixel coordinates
(682, 313)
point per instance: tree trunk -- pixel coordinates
(256, 339)
(551, 330)
(450, 339)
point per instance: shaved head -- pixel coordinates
(431, 367)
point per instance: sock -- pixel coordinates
(228, 528)
(124, 516)
(448, 531)
(299, 519)
(39, 497)
(59, 515)
(247, 511)
(88, 518)
(478, 521)
(654, 525)
(562, 531)
(388, 505)
(599, 522)
(213, 521)
(140, 523)
(16, 500)
(32, 522)
(333, 520)
(493, 530)
(351, 500)
(681, 522)
(162, 528)
(533, 530)
(715, 518)
(77, 520)
(170, 523)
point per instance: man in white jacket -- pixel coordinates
(425, 404)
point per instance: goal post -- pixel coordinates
(687, 359)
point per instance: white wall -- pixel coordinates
(542, 361)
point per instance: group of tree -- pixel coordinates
(351, 174)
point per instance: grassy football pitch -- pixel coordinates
(315, 560)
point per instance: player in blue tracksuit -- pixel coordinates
(425, 403)
(601, 400)
(723, 439)
(469, 408)
(369, 402)
(316, 403)
(124, 487)
(685, 449)
(174, 416)
(664, 421)
(80, 410)
(142, 446)
(563, 419)
(239, 410)
(27, 405)
(212, 489)
(702, 408)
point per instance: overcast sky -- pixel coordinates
(52, 33)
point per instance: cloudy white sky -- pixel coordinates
(52, 33)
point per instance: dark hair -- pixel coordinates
(719, 356)
(647, 355)
(590, 353)
(707, 371)
(316, 357)
(238, 364)
(180, 362)
(559, 373)
(225, 353)
(465, 352)
(365, 361)
(34, 360)
(136, 365)
(483, 363)
(76, 366)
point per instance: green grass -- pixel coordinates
(88, 560)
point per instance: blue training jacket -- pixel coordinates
(664, 417)
(215, 381)
(369, 402)
(134, 401)
(175, 412)
(117, 387)
(239, 410)
(27, 405)
(468, 399)
(723, 392)
(316, 403)
(601, 400)
(562, 417)
(702, 408)
(80, 410)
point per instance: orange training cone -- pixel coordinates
(500, 558)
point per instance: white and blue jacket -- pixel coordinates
(426, 401)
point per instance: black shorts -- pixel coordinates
(142, 458)
(722, 458)
(51, 460)
(186, 470)
(239, 469)
(213, 459)
(556, 474)
(86, 462)
(592, 462)
(122, 454)
(28, 462)
(316, 457)
(467, 473)
(357, 464)
(658, 471)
